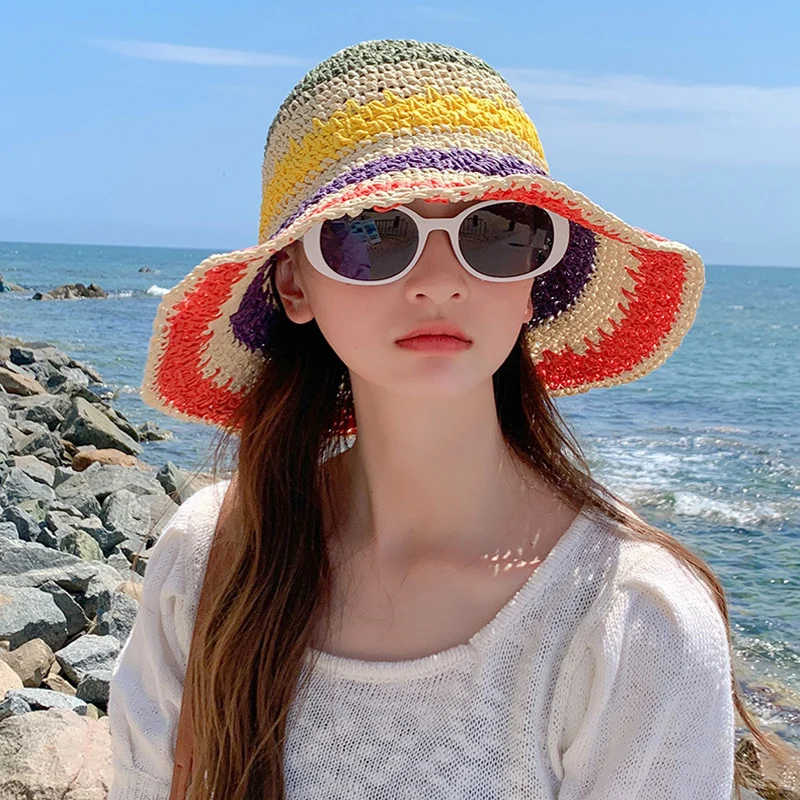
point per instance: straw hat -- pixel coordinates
(385, 122)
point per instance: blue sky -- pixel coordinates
(145, 123)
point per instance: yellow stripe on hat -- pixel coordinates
(396, 116)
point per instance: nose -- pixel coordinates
(438, 275)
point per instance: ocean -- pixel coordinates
(707, 446)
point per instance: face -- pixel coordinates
(363, 323)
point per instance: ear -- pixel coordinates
(528, 311)
(290, 285)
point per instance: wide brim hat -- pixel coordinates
(380, 124)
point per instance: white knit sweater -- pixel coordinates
(605, 678)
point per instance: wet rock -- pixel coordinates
(71, 291)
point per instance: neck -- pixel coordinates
(431, 475)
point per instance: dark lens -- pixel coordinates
(370, 247)
(507, 239)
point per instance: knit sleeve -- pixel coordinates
(658, 714)
(147, 679)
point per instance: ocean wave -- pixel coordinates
(157, 291)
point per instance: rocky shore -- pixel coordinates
(79, 512)
(76, 506)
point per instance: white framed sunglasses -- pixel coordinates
(496, 240)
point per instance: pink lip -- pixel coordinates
(437, 329)
(434, 344)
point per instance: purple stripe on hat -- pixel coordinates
(255, 318)
(484, 162)
(557, 288)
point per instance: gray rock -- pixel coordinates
(13, 706)
(88, 654)
(27, 613)
(57, 402)
(24, 355)
(125, 513)
(73, 613)
(44, 699)
(93, 374)
(33, 468)
(19, 487)
(36, 441)
(80, 544)
(55, 519)
(84, 424)
(48, 456)
(8, 530)
(45, 414)
(150, 432)
(27, 527)
(75, 375)
(118, 620)
(36, 509)
(103, 479)
(30, 564)
(94, 688)
(162, 509)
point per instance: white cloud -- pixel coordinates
(641, 116)
(159, 51)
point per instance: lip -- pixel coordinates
(437, 329)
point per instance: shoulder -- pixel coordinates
(654, 602)
(177, 560)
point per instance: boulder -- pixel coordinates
(85, 458)
(44, 699)
(19, 487)
(103, 479)
(78, 763)
(94, 687)
(84, 424)
(9, 530)
(87, 655)
(81, 544)
(8, 678)
(30, 564)
(27, 526)
(181, 485)
(31, 662)
(33, 468)
(16, 383)
(124, 512)
(71, 291)
(118, 620)
(27, 613)
(73, 613)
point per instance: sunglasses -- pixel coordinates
(495, 240)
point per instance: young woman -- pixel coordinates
(424, 594)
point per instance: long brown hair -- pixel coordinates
(254, 641)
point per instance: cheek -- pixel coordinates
(352, 319)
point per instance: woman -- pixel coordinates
(448, 606)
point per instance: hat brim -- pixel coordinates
(614, 309)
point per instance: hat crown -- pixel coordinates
(387, 106)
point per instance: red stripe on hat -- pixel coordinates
(651, 313)
(180, 378)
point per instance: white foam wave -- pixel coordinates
(157, 291)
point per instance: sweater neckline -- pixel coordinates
(379, 671)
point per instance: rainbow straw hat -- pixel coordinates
(382, 123)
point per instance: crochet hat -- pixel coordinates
(380, 124)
